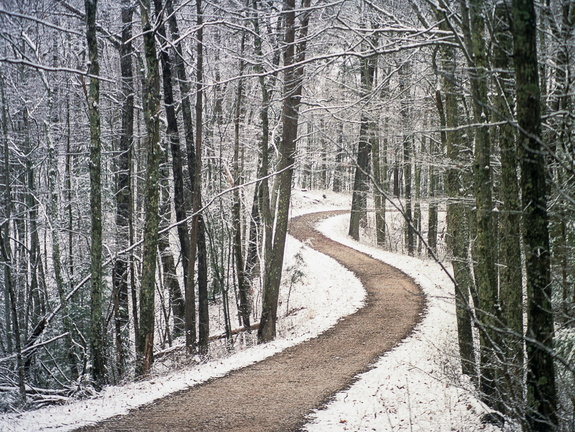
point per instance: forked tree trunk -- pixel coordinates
(261, 220)
(293, 76)
(361, 181)
(172, 130)
(188, 123)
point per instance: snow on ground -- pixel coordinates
(336, 293)
(417, 386)
(413, 388)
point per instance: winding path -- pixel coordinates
(278, 393)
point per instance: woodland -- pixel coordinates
(150, 147)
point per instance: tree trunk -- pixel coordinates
(339, 172)
(457, 237)
(11, 313)
(404, 73)
(487, 310)
(198, 228)
(97, 330)
(293, 76)
(324, 177)
(172, 131)
(145, 343)
(417, 205)
(120, 273)
(186, 109)
(243, 281)
(50, 127)
(203, 305)
(261, 220)
(379, 168)
(361, 182)
(432, 218)
(541, 390)
(510, 275)
(56, 251)
(37, 278)
(6, 257)
(170, 279)
(560, 139)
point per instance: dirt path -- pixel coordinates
(277, 393)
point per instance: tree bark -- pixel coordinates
(432, 217)
(541, 389)
(56, 250)
(510, 274)
(243, 281)
(261, 219)
(151, 198)
(361, 182)
(188, 123)
(121, 270)
(457, 237)
(487, 311)
(198, 229)
(11, 313)
(404, 73)
(293, 76)
(379, 170)
(560, 139)
(339, 172)
(173, 134)
(97, 329)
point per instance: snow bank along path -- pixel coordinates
(417, 386)
(278, 393)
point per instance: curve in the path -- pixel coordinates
(278, 393)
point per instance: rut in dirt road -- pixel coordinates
(277, 394)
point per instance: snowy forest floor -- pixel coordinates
(414, 387)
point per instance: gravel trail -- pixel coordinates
(278, 393)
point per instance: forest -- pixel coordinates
(149, 150)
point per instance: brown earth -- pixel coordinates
(277, 394)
